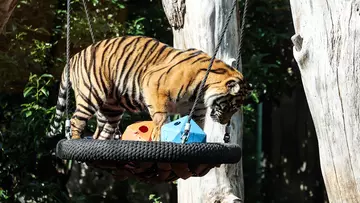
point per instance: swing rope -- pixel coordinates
(89, 22)
(185, 135)
(67, 73)
(241, 34)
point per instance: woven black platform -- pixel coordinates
(88, 150)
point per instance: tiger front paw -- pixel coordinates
(75, 135)
(155, 135)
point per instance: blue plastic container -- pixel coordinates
(171, 132)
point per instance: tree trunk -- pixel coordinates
(197, 24)
(6, 9)
(327, 51)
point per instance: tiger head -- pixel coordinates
(225, 97)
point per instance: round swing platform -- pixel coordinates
(117, 156)
(89, 150)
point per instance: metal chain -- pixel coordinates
(89, 22)
(187, 126)
(227, 129)
(67, 71)
(241, 34)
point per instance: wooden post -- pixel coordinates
(327, 50)
(6, 9)
(197, 24)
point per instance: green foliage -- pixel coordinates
(135, 27)
(154, 198)
(3, 195)
(32, 177)
(267, 61)
(267, 53)
(37, 92)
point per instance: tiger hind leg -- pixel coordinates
(108, 120)
(86, 107)
(79, 121)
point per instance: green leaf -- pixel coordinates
(44, 91)
(46, 76)
(28, 114)
(27, 91)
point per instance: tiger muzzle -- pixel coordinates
(222, 115)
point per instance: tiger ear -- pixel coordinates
(233, 87)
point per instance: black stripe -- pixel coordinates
(201, 59)
(195, 92)
(142, 70)
(179, 94)
(198, 116)
(80, 117)
(99, 76)
(162, 49)
(105, 41)
(113, 122)
(60, 107)
(218, 71)
(178, 54)
(62, 94)
(127, 58)
(196, 53)
(104, 51)
(128, 102)
(181, 61)
(83, 112)
(188, 85)
(111, 111)
(124, 50)
(157, 70)
(92, 92)
(134, 68)
(90, 111)
(101, 120)
(169, 69)
(57, 119)
(92, 68)
(108, 66)
(171, 50)
(87, 100)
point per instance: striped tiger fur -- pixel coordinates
(137, 73)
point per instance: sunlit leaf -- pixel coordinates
(27, 91)
(28, 114)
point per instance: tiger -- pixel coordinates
(142, 74)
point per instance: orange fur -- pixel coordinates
(136, 73)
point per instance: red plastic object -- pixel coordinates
(140, 131)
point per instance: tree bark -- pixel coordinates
(201, 25)
(6, 9)
(326, 48)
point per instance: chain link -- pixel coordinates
(186, 131)
(89, 22)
